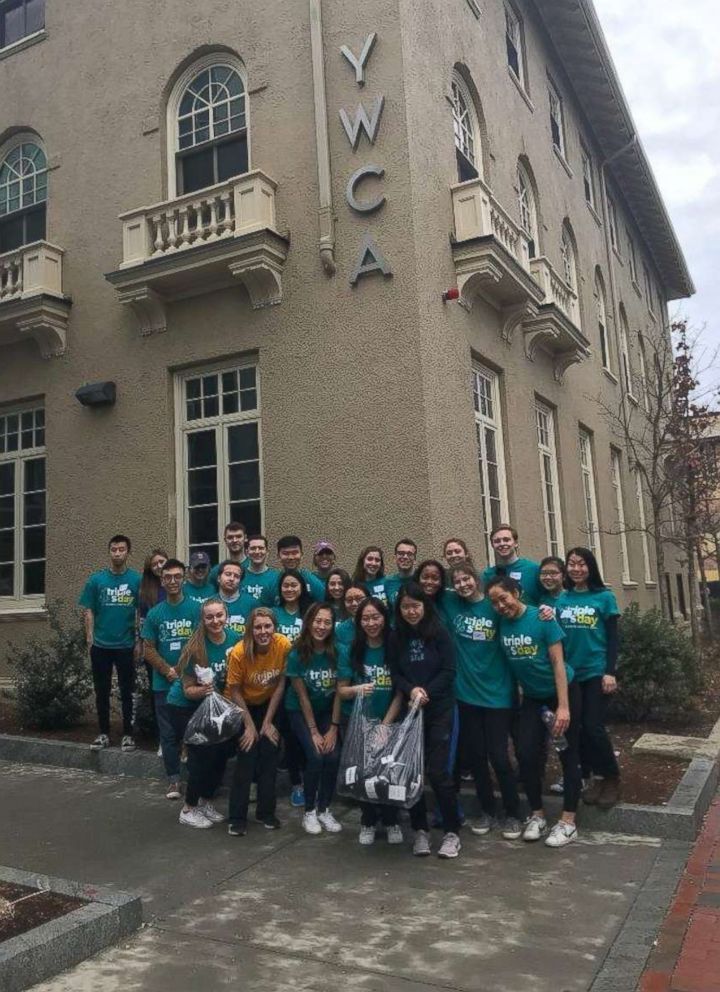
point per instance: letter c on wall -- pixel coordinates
(356, 178)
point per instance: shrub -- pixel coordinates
(657, 667)
(143, 715)
(52, 677)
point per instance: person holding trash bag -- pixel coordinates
(314, 709)
(551, 704)
(201, 671)
(255, 683)
(365, 673)
(422, 663)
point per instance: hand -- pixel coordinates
(270, 731)
(208, 689)
(364, 689)
(171, 675)
(382, 735)
(248, 738)
(419, 696)
(330, 740)
(318, 740)
(609, 684)
(562, 721)
(546, 612)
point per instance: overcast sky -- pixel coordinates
(667, 58)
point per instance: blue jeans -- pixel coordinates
(169, 742)
(320, 769)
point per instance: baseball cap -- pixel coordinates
(199, 558)
(323, 546)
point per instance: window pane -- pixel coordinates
(34, 475)
(11, 234)
(248, 378)
(35, 15)
(14, 25)
(192, 389)
(34, 509)
(248, 399)
(201, 449)
(7, 478)
(245, 481)
(232, 158)
(243, 442)
(7, 512)
(202, 486)
(203, 524)
(249, 513)
(230, 403)
(34, 543)
(34, 581)
(211, 406)
(196, 170)
(7, 545)
(35, 225)
(7, 587)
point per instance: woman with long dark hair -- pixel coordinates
(422, 663)
(366, 673)
(337, 583)
(588, 614)
(151, 593)
(355, 594)
(370, 571)
(294, 600)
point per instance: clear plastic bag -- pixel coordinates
(382, 763)
(215, 720)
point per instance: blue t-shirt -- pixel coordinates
(113, 599)
(525, 572)
(376, 588)
(168, 627)
(583, 617)
(525, 641)
(217, 655)
(483, 675)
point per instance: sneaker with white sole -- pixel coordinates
(173, 791)
(127, 743)
(562, 833)
(535, 827)
(159, 751)
(310, 822)
(421, 844)
(194, 818)
(450, 847)
(329, 822)
(366, 836)
(557, 788)
(210, 813)
(511, 828)
(297, 796)
(395, 834)
(100, 742)
(482, 825)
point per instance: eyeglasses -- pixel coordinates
(550, 575)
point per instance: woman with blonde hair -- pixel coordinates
(255, 683)
(207, 648)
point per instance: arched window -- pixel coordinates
(23, 194)
(209, 125)
(527, 208)
(601, 311)
(467, 132)
(567, 254)
(626, 369)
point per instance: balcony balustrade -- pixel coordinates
(555, 328)
(32, 303)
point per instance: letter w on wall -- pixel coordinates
(361, 122)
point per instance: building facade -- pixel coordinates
(356, 271)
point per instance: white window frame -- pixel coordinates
(648, 289)
(183, 427)
(587, 473)
(557, 116)
(643, 373)
(547, 454)
(527, 209)
(588, 173)
(514, 36)
(568, 259)
(612, 223)
(601, 311)
(19, 602)
(632, 257)
(466, 125)
(488, 418)
(616, 482)
(642, 520)
(626, 369)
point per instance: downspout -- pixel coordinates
(325, 214)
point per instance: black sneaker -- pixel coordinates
(237, 828)
(269, 822)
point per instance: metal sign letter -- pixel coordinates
(356, 178)
(360, 63)
(361, 122)
(370, 259)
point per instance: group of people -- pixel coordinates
(523, 654)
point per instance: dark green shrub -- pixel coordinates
(52, 677)
(143, 716)
(657, 668)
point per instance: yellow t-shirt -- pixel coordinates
(257, 681)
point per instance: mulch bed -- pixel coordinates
(29, 908)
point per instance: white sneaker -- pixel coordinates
(395, 835)
(557, 788)
(367, 836)
(450, 847)
(329, 822)
(421, 844)
(562, 833)
(311, 823)
(535, 828)
(194, 818)
(173, 791)
(159, 751)
(127, 743)
(210, 813)
(100, 742)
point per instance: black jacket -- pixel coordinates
(429, 664)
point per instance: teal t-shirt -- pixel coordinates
(524, 571)
(113, 599)
(582, 616)
(483, 675)
(393, 584)
(315, 587)
(239, 610)
(375, 670)
(168, 626)
(345, 631)
(547, 599)
(288, 624)
(217, 659)
(199, 594)
(212, 577)
(525, 642)
(261, 585)
(319, 676)
(376, 588)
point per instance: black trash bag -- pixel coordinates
(215, 720)
(382, 763)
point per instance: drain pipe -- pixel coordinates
(325, 213)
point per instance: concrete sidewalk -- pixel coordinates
(284, 911)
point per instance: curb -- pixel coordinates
(53, 947)
(67, 754)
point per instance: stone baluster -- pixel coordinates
(227, 224)
(213, 225)
(198, 231)
(159, 240)
(172, 238)
(184, 227)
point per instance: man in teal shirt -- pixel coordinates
(166, 630)
(405, 555)
(110, 601)
(504, 540)
(235, 538)
(290, 552)
(259, 581)
(198, 586)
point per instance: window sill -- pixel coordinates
(521, 90)
(26, 42)
(651, 585)
(610, 375)
(12, 613)
(629, 584)
(562, 160)
(618, 256)
(636, 287)
(594, 213)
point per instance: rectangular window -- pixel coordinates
(682, 603)
(648, 288)
(631, 257)
(513, 44)
(643, 373)
(557, 124)
(612, 222)
(491, 462)
(588, 179)
(20, 18)
(642, 521)
(22, 507)
(219, 466)
(616, 479)
(587, 472)
(545, 422)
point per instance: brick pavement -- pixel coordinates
(687, 955)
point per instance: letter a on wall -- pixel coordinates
(370, 259)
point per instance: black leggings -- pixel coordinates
(438, 731)
(205, 762)
(533, 745)
(259, 762)
(484, 736)
(595, 745)
(294, 756)
(102, 661)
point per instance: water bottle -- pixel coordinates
(548, 718)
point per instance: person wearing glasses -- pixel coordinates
(552, 579)
(405, 556)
